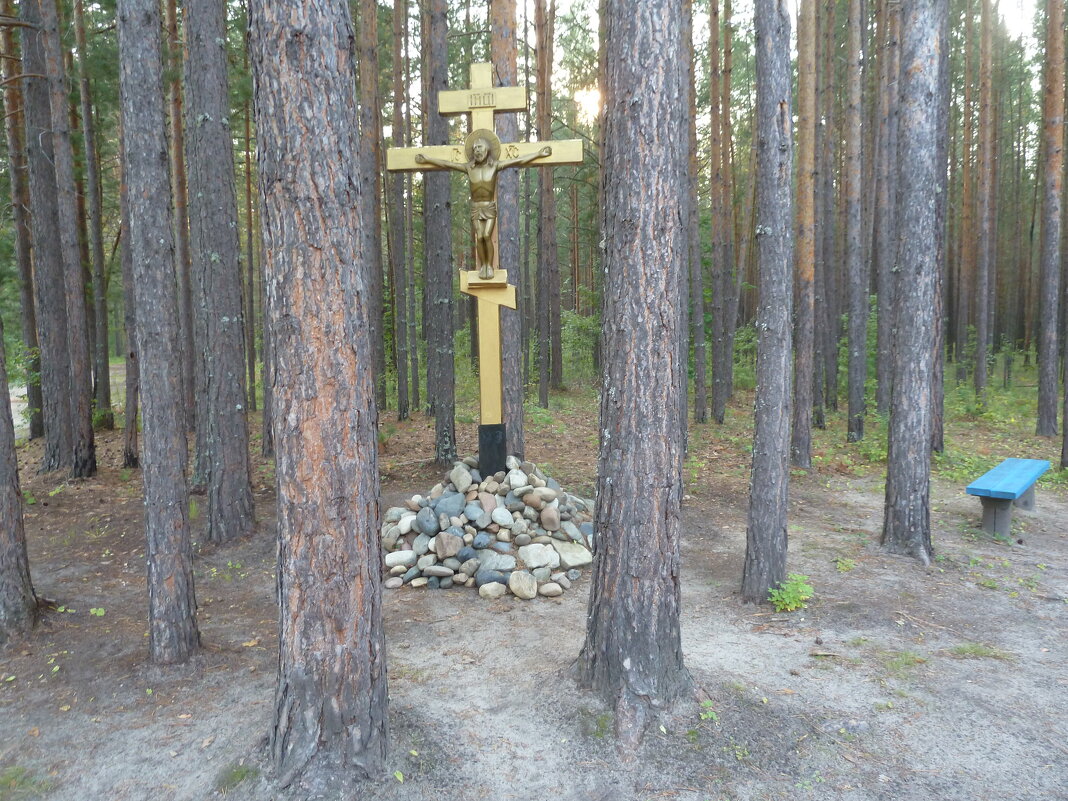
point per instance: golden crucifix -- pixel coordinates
(482, 157)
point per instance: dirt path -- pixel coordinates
(897, 682)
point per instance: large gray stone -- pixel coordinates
(473, 510)
(460, 477)
(393, 514)
(502, 517)
(426, 561)
(550, 518)
(491, 560)
(405, 558)
(571, 530)
(450, 504)
(406, 522)
(523, 585)
(492, 591)
(426, 522)
(448, 544)
(421, 545)
(572, 555)
(516, 478)
(534, 556)
(438, 570)
(550, 590)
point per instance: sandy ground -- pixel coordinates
(897, 682)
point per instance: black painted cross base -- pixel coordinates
(997, 515)
(492, 449)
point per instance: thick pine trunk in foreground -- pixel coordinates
(440, 364)
(505, 70)
(18, 604)
(907, 525)
(173, 635)
(49, 295)
(633, 654)
(330, 702)
(1052, 171)
(765, 551)
(215, 258)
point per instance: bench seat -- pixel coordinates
(1010, 483)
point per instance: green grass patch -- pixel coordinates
(17, 783)
(978, 650)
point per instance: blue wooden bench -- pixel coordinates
(1010, 483)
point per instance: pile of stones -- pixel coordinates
(515, 531)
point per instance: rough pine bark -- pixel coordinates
(1050, 259)
(769, 484)
(855, 265)
(370, 174)
(885, 246)
(215, 261)
(633, 654)
(696, 266)
(985, 202)
(437, 266)
(906, 523)
(330, 701)
(173, 636)
(18, 604)
(190, 361)
(398, 207)
(103, 416)
(15, 138)
(805, 255)
(938, 348)
(505, 70)
(48, 284)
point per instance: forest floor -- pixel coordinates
(896, 682)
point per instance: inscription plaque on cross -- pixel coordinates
(481, 157)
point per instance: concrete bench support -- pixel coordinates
(1011, 483)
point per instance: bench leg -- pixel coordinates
(997, 516)
(1027, 500)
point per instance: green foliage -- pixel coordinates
(233, 775)
(791, 594)
(844, 565)
(707, 712)
(978, 650)
(18, 784)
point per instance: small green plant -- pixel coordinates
(27, 498)
(707, 712)
(125, 474)
(844, 565)
(17, 783)
(52, 493)
(97, 611)
(900, 663)
(791, 594)
(978, 650)
(987, 584)
(233, 775)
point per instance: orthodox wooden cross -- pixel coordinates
(482, 156)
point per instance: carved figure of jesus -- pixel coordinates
(483, 150)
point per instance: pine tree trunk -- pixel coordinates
(966, 251)
(370, 173)
(938, 349)
(829, 316)
(172, 633)
(103, 415)
(215, 252)
(766, 538)
(721, 277)
(190, 361)
(885, 245)
(733, 287)
(907, 526)
(695, 262)
(398, 215)
(15, 137)
(437, 268)
(985, 202)
(83, 454)
(330, 702)
(48, 286)
(633, 655)
(18, 604)
(505, 69)
(131, 453)
(805, 256)
(250, 257)
(1052, 190)
(855, 265)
